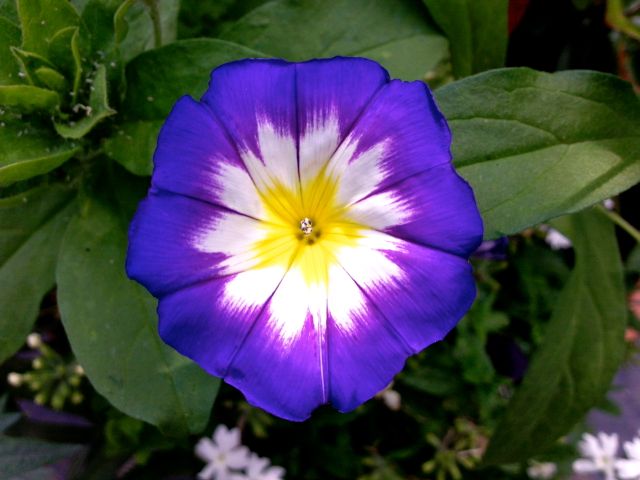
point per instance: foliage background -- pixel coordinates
(84, 88)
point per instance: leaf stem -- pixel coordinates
(621, 222)
(154, 11)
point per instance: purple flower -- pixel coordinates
(305, 231)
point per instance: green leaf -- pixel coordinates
(476, 30)
(134, 144)
(98, 109)
(140, 31)
(583, 348)
(113, 331)
(31, 226)
(535, 146)
(51, 79)
(29, 62)
(27, 98)
(41, 21)
(156, 79)
(8, 10)
(27, 151)
(21, 456)
(9, 37)
(394, 32)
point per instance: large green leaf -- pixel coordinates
(98, 109)
(536, 146)
(113, 330)
(28, 150)
(583, 347)
(394, 32)
(477, 32)
(133, 145)
(155, 80)
(31, 225)
(9, 37)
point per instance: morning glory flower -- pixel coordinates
(630, 468)
(223, 454)
(305, 231)
(600, 455)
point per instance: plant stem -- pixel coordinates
(621, 222)
(154, 11)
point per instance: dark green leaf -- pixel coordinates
(8, 10)
(28, 63)
(65, 52)
(27, 151)
(31, 226)
(394, 32)
(9, 37)
(133, 145)
(113, 332)
(98, 109)
(27, 98)
(583, 348)
(41, 21)
(20, 456)
(477, 32)
(140, 31)
(156, 79)
(536, 146)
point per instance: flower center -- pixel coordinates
(306, 226)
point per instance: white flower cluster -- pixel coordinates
(228, 459)
(601, 456)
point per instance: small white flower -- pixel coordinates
(544, 470)
(14, 379)
(600, 455)
(630, 468)
(609, 203)
(222, 454)
(259, 469)
(34, 340)
(556, 240)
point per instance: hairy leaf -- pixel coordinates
(583, 348)
(535, 146)
(113, 331)
(28, 150)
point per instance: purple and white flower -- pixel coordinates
(305, 231)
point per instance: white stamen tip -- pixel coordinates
(306, 226)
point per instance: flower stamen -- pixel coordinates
(306, 226)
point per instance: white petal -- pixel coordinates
(238, 457)
(609, 444)
(239, 193)
(225, 438)
(317, 145)
(589, 446)
(632, 449)
(585, 466)
(628, 469)
(208, 472)
(206, 450)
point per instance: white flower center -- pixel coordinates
(306, 226)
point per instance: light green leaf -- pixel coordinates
(133, 145)
(476, 30)
(41, 20)
(31, 226)
(113, 332)
(51, 79)
(27, 98)
(156, 79)
(98, 109)
(535, 146)
(9, 37)
(583, 348)
(394, 32)
(27, 150)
